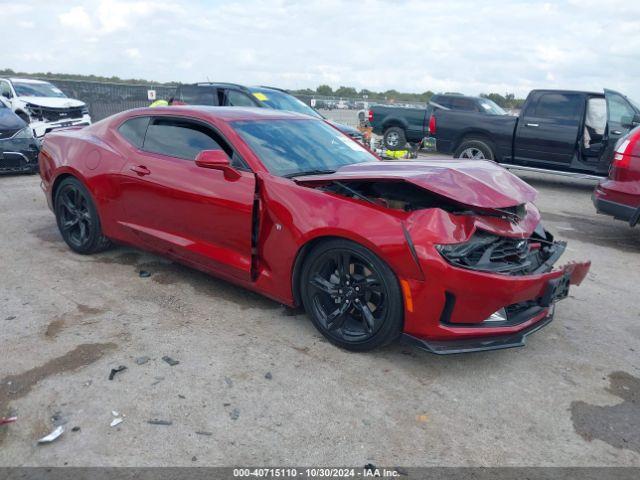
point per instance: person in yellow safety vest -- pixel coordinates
(160, 103)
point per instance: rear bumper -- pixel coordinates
(617, 210)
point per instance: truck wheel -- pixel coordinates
(475, 150)
(394, 138)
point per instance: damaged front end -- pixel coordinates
(487, 263)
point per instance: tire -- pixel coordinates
(358, 308)
(395, 138)
(475, 149)
(77, 218)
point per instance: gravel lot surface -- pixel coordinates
(256, 384)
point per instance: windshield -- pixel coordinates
(290, 147)
(29, 89)
(283, 101)
(490, 107)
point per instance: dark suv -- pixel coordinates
(233, 95)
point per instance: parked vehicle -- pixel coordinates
(233, 95)
(399, 125)
(450, 253)
(42, 105)
(619, 194)
(559, 131)
(18, 148)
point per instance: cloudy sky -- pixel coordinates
(466, 46)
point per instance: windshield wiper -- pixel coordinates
(308, 172)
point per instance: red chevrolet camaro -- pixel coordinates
(450, 253)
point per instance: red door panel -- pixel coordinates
(192, 212)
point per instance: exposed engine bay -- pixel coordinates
(484, 251)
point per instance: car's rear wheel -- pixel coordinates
(78, 219)
(395, 138)
(474, 149)
(351, 295)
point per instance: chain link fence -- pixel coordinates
(105, 99)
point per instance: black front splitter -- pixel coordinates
(482, 344)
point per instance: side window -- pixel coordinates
(239, 99)
(562, 106)
(464, 104)
(5, 89)
(178, 138)
(444, 101)
(134, 129)
(619, 110)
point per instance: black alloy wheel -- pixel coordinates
(352, 296)
(77, 218)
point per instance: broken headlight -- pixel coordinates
(490, 253)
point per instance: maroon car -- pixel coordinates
(619, 195)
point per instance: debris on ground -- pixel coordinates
(75, 429)
(52, 436)
(170, 361)
(235, 414)
(194, 459)
(181, 396)
(57, 419)
(5, 420)
(144, 274)
(155, 421)
(119, 369)
(268, 376)
(158, 380)
(142, 360)
(116, 421)
(228, 381)
(202, 432)
(12, 317)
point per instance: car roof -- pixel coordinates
(226, 114)
(28, 80)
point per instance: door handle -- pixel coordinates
(140, 170)
(616, 132)
(532, 124)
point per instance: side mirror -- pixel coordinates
(217, 160)
(636, 120)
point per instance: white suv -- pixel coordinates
(42, 105)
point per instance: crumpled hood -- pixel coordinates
(53, 102)
(477, 183)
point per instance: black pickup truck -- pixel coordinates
(561, 131)
(399, 125)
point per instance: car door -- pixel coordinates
(622, 116)
(194, 213)
(547, 132)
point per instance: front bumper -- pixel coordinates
(40, 129)
(450, 309)
(480, 344)
(19, 155)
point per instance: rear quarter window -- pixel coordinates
(134, 130)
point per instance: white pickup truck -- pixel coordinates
(42, 105)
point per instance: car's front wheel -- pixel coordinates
(78, 219)
(351, 295)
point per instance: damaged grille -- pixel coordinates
(491, 253)
(55, 114)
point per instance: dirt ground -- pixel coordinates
(257, 385)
